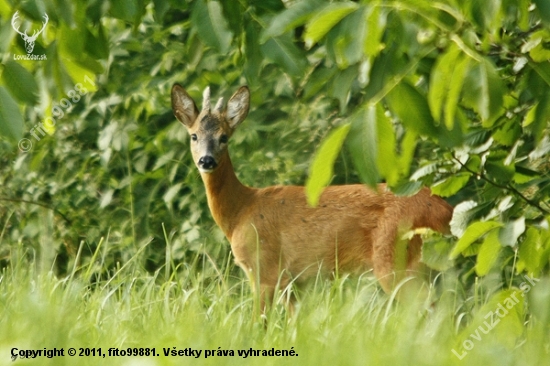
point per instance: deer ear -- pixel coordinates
(237, 106)
(183, 106)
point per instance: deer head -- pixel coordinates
(29, 40)
(211, 128)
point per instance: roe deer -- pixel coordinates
(275, 235)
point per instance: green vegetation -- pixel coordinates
(106, 239)
(348, 321)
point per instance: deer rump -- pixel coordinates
(353, 229)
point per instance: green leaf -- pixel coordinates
(463, 213)
(440, 80)
(127, 10)
(385, 67)
(81, 75)
(492, 93)
(541, 116)
(474, 163)
(362, 142)
(345, 41)
(341, 86)
(543, 71)
(20, 82)
(425, 170)
(485, 91)
(539, 298)
(488, 253)
(74, 52)
(497, 169)
(207, 18)
(291, 18)
(485, 13)
(283, 52)
(106, 198)
(236, 15)
(325, 19)
(537, 45)
(171, 193)
(376, 23)
(525, 175)
(407, 189)
(373, 147)
(322, 166)
(509, 234)
(161, 161)
(412, 109)
(472, 250)
(540, 53)
(455, 89)
(508, 133)
(543, 7)
(161, 7)
(450, 185)
(253, 54)
(318, 81)
(408, 147)
(473, 233)
(64, 10)
(529, 252)
(97, 45)
(435, 254)
(11, 121)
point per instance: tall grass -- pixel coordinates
(206, 306)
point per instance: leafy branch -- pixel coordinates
(503, 186)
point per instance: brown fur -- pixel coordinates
(276, 236)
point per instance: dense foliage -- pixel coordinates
(452, 94)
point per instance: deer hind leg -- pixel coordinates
(384, 240)
(395, 258)
(396, 264)
(416, 288)
(258, 290)
(414, 252)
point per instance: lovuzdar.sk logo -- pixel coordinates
(29, 40)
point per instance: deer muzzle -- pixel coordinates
(207, 164)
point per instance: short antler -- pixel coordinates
(219, 105)
(206, 100)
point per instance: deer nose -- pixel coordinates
(207, 162)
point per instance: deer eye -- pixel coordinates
(194, 137)
(223, 139)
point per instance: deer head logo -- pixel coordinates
(29, 40)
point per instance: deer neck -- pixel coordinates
(226, 195)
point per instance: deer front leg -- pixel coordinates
(266, 295)
(262, 293)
